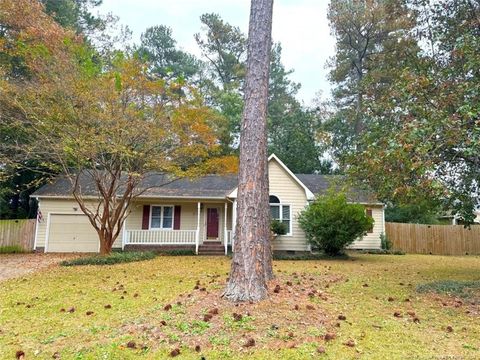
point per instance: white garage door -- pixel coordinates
(71, 233)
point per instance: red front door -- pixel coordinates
(212, 223)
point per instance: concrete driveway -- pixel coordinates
(17, 265)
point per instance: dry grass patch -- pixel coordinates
(363, 307)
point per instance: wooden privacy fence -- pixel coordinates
(434, 239)
(18, 232)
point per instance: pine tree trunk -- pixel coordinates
(251, 264)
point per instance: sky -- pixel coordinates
(300, 25)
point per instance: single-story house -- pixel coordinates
(454, 219)
(194, 213)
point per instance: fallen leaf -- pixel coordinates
(250, 342)
(175, 352)
(350, 343)
(329, 336)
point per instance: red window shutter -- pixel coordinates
(146, 217)
(370, 215)
(176, 217)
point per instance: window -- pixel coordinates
(274, 200)
(161, 217)
(280, 212)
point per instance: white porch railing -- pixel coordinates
(161, 237)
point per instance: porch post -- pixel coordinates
(225, 234)
(234, 221)
(124, 234)
(197, 234)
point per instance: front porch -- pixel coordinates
(179, 224)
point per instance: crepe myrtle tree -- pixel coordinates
(331, 223)
(103, 125)
(123, 127)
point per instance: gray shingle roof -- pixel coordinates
(320, 184)
(209, 186)
(160, 185)
(154, 185)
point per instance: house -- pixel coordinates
(197, 214)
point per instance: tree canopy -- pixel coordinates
(411, 132)
(67, 113)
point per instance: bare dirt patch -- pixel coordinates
(201, 319)
(16, 265)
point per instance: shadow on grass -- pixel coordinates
(461, 289)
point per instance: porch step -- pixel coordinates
(211, 249)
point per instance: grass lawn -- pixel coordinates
(148, 309)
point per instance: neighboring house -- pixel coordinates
(197, 214)
(455, 219)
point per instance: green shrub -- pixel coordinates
(278, 227)
(11, 249)
(383, 252)
(306, 256)
(331, 223)
(385, 242)
(112, 258)
(178, 252)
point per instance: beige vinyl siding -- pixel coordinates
(287, 189)
(188, 215)
(188, 219)
(59, 206)
(372, 240)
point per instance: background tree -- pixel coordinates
(75, 14)
(252, 258)
(418, 212)
(423, 141)
(21, 20)
(291, 127)
(103, 127)
(17, 184)
(373, 44)
(223, 47)
(159, 49)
